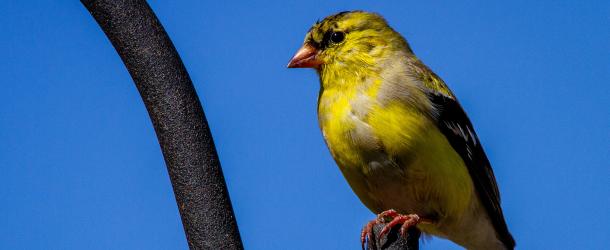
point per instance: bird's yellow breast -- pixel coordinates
(393, 156)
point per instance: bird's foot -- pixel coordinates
(367, 233)
(395, 218)
(407, 222)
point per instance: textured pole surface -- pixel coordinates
(178, 119)
(393, 241)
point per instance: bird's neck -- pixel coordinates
(356, 87)
(347, 77)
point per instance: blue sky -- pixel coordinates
(81, 167)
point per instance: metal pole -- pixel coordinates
(178, 119)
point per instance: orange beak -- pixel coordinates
(306, 57)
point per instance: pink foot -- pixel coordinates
(367, 232)
(407, 221)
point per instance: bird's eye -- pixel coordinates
(337, 37)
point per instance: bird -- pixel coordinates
(399, 135)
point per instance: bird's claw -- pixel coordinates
(407, 222)
(367, 233)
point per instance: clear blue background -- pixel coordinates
(80, 166)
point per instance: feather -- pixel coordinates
(457, 128)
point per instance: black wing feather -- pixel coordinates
(458, 129)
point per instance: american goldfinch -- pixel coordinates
(400, 137)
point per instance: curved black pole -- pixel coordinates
(178, 119)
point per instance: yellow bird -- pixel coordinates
(399, 135)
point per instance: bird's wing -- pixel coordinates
(457, 128)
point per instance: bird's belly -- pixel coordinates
(428, 178)
(419, 185)
(393, 157)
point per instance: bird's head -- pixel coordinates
(347, 39)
